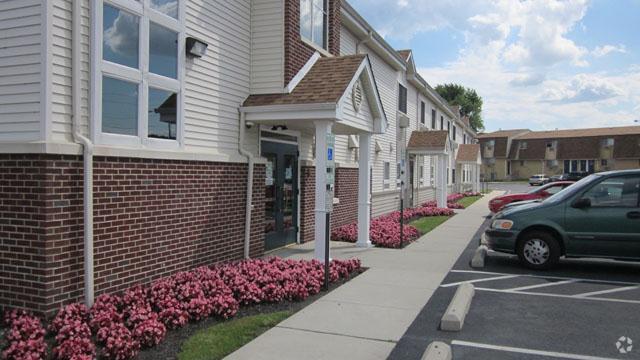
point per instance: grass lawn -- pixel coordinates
(426, 224)
(222, 339)
(467, 201)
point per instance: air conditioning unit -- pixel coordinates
(491, 161)
(608, 142)
(552, 163)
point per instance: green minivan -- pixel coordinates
(599, 216)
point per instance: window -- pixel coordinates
(313, 21)
(615, 192)
(433, 119)
(508, 167)
(386, 175)
(139, 77)
(423, 109)
(432, 173)
(454, 132)
(453, 176)
(464, 138)
(402, 99)
(398, 174)
(441, 122)
(604, 162)
(421, 173)
(523, 145)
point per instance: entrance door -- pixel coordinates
(281, 194)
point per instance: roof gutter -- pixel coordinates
(364, 41)
(87, 146)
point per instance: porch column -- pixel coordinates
(441, 182)
(364, 181)
(322, 129)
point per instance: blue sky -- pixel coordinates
(540, 64)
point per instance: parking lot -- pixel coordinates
(583, 309)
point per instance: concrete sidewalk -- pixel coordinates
(364, 318)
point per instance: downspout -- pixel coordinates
(364, 41)
(249, 204)
(87, 146)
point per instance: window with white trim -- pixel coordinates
(313, 22)
(386, 175)
(138, 83)
(421, 174)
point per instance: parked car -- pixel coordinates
(599, 216)
(576, 176)
(563, 177)
(543, 192)
(539, 179)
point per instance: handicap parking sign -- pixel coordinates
(330, 154)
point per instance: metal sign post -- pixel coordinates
(330, 173)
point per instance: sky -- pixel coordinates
(541, 64)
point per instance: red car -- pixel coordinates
(540, 193)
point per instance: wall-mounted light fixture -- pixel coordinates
(195, 47)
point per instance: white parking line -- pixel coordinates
(479, 280)
(528, 351)
(543, 285)
(609, 291)
(559, 296)
(547, 277)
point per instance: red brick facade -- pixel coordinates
(346, 190)
(152, 218)
(297, 52)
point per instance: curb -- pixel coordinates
(453, 318)
(479, 256)
(437, 350)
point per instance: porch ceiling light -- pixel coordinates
(195, 47)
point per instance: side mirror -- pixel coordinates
(582, 203)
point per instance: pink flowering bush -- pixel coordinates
(140, 318)
(385, 230)
(25, 336)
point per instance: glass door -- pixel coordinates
(281, 194)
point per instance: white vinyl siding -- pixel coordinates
(21, 39)
(348, 42)
(267, 46)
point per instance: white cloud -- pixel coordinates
(527, 79)
(122, 36)
(601, 51)
(582, 88)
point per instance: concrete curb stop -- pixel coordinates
(437, 350)
(479, 256)
(453, 318)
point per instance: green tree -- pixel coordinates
(468, 99)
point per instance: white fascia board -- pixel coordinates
(302, 73)
(428, 152)
(291, 112)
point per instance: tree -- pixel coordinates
(468, 99)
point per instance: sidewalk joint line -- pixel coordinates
(363, 304)
(336, 334)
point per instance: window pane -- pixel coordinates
(168, 7)
(119, 107)
(615, 192)
(121, 32)
(163, 51)
(162, 114)
(318, 27)
(305, 18)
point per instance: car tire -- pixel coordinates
(538, 250)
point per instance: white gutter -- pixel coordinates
(87, 146)
(249, 204)
(364, 41)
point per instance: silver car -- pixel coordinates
(539, 179)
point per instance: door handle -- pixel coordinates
(634, 215)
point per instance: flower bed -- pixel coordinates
(384, 231)
(452, 200)
(121, 325)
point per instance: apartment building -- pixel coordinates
(141, 138)
(561, 151)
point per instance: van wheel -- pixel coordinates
(538, 250)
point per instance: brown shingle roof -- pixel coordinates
(468, 152)
(428, 140)
(325, 83)
(556, 134)
(502, 133)
(405, 54)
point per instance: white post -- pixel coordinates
(476, 178)
(364, 181)
(441, 182)
(322, 129)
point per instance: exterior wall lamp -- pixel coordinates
(195, 47)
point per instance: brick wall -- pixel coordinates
(296, 52)
(346, 190)
(152, 218)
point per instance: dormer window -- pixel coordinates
(313, 22)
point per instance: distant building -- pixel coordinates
(559, 151)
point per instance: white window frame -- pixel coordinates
(421, 174)
(386, 175)
(141, 76)
(325, 17)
